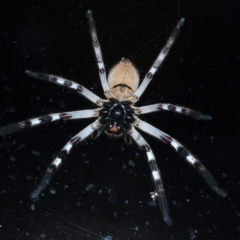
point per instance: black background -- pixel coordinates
(200, 72)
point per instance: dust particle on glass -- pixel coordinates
(35, 153)
(131, 163)
(13, 177)
(152, 203)
(21, 146)
(112, 196)
(209, 230)
(107, 238)
(52, 190)
(33, 206)
(8, 88)
(12, 109)
(62, 104)
(89, 187)
(12, 157)
(193, 233)
(124, 166)
(43, 235)
(29, 177)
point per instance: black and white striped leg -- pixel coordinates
(158, 60)
(158, 184)
(66, 83)
(183, 152)
(54, 166)
(47, 119)
(172, 108)
(98, 54)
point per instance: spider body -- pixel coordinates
(117, 116)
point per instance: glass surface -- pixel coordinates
(102, 190)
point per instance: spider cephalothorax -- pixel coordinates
(117, 116)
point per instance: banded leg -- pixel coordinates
(98, 54)
(159, 190)
(184, 153)
(158, 61)
(172, 108)
(66, 83)
(47, 119)
(54, 166)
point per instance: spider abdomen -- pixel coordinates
(123, 79)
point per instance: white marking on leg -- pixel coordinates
(153, 70)
(100, 65)
(68, 147)
(178, 109)
(57, 162)
(60, 80)
(55, 117)
(175, 144)
(156, 175)
(35, 121)
(165, 107)
(150, 156)
(191, 159)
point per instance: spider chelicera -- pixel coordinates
(117, 116)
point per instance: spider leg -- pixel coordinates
(172, 108)
(183, 152)
(160, 192)
(66, 83)
(98, 54)
(48, 118)
(148, 77)
(53, 167)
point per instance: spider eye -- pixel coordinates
(117, 113)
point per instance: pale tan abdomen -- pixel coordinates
(123, 79)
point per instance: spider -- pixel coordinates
(117, 116)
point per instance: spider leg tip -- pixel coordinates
(182, 19)
(221, 192)
(167, 220)
(29, 72)
(89, 15)
(34, 195)
(200, 116)
(180, 23)
(206, 117)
